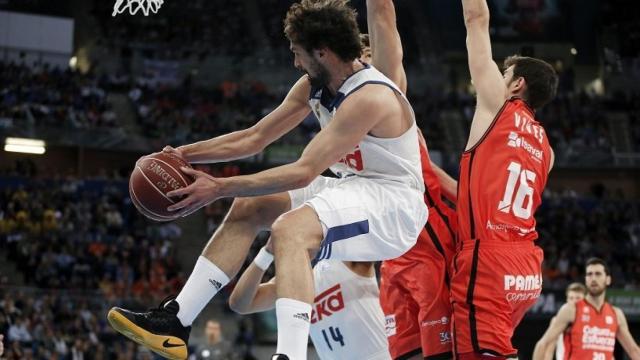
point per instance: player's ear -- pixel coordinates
(608, 280)
(519, 84)
(320, 53)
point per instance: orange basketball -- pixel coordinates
(153, 177)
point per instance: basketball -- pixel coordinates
(152, 178)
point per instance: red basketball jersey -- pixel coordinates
(593, 333)
(502, 177)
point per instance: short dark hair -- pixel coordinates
(597, 261)
(576, 287)
(315, 24)
(540, 76)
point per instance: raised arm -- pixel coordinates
(386, 46)
(488, 81)
(624, 336)
(249, 295)
(244, 143)
(558, 324)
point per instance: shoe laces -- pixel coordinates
(163, 303)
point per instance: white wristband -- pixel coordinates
(263, 259)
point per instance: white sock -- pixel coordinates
(293, 328)
(203, 284)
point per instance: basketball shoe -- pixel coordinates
(158, 329)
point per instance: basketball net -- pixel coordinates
(134, 6)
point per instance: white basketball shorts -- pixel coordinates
(364, 219)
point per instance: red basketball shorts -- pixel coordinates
(493, 285)
(414, 293)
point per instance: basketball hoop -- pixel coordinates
(134, 6)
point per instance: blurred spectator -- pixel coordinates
(215, 347)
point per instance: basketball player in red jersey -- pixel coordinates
(503, 171)
(593, 324)
(417, 311)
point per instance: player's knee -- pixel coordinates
(289, 231)
(252, 210)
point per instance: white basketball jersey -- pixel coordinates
(347, 321)
(396, 159)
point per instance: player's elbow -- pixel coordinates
(238, 306)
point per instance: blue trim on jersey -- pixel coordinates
(338, 233)
(325, 100)
(377, 82)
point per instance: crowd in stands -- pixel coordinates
(183, 114)
(41, 95)
(83, 246)
(574, 227)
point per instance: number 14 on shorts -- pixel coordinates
(333, 335)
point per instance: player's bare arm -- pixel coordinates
(249, 295)
(624, 336)
(485, 74)
(558, 324)
(244, 143)
(373, 109)
(448, 185)
(551, 350)
(386, 46)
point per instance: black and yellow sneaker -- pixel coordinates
(158, 329)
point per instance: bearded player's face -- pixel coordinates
(310, 64)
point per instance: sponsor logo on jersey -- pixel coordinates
(442, 321)
(353, 160)
(520, 142)
(596, 338)
(508, 227)
(524, 123)
(522, 287)
(445, 337)
(522, 282)
(327, 303)
(390, 325)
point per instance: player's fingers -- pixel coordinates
(192, 172)
(180, 205)
(181, 192)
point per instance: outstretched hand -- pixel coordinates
(203, 191)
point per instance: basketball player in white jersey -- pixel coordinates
(374, 211)
(346, 317)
